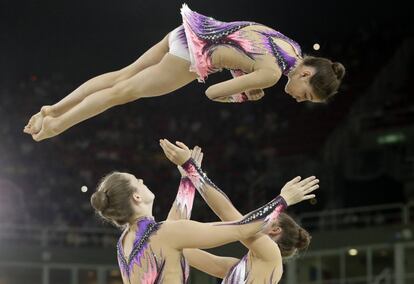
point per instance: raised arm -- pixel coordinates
(190, 234)
(183, 203)
(260, 245)
(206, 262)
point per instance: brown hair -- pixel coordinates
(112, 199)
(293, 236)
(328, 77)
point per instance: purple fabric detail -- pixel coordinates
(185, 268)
(204, 34)
(146, 227)
(182, 36)
(154, 270)
(284, 60)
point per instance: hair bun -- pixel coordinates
(303, 239)
(100, 200)
(339, 70)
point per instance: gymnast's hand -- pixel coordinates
(296, 190)
(197, 156)
(255, 95)
(178, 154)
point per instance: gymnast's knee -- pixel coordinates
(124, 92)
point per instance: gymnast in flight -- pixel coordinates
(256, 55)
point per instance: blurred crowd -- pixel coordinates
(40, 183)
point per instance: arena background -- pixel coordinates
(360, 145)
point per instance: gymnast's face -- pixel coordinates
(143, 194)
(298, 86)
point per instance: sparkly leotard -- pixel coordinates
(239, 274)
(142, 253)
(202, 35)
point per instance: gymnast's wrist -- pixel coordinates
(284, 199)
(188, 165)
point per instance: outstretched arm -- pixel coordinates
(261, 245)
(190, 234)
(211, 264)
(183, 202)
(206, 262)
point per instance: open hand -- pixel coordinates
(178, 154)
(298, 190)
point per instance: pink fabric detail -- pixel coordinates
(272, 217)
(185, 197)
(151, 274)
(239, 98)
(200, 63)
(192, 174)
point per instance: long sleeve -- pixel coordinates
(183, 203)
(268, 213)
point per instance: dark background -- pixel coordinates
(48, 48)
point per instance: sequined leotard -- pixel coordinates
(142, 252)
(202, 35)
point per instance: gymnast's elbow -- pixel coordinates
(211, 93)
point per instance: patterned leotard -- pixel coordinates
(204, 34)
(239, 274)
(142, 252)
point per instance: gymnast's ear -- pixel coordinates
(275, 231)
(307, 71)
(136, 198)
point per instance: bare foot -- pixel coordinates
(49, 129)
(34, 125)
(47, 111)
